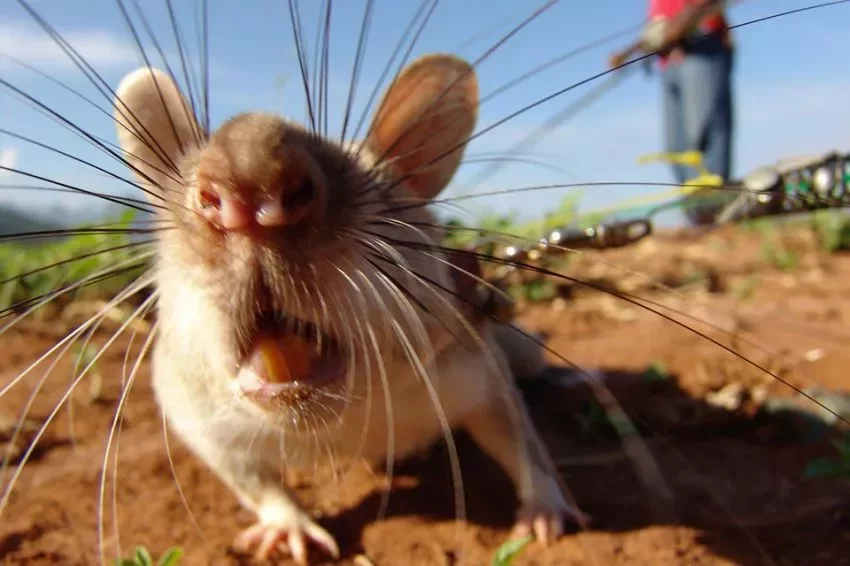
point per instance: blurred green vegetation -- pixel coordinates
(565, 214)
(35, 267)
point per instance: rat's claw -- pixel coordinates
(545, 523)
(290, 535)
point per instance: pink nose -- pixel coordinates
(234, 212)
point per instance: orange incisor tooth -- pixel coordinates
(286, 358)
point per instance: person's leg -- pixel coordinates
(707, 106)
(674, 119)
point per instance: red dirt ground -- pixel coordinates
(741, 496)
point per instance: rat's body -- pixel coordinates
(292, 324)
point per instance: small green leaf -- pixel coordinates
(171, 557)
(843, 447)
(124, 562)
(539, 290)
(825, 467)
(656, 372)
(143, 557)
(508, 551)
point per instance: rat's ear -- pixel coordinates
(155, 124)
(429, 110)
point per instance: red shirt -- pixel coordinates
(667, 9)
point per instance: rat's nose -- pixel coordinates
(233, 211)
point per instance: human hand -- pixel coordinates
(617, 59)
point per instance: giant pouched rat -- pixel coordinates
(306, 307)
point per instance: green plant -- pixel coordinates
(592, 416)
(832, 467)
(25, 272)
(539, 290)
(142, 557)
(745, 289)
(85, 353)
(655, 372)
(832, 229)
(506, 553)
(758, 225)
(779, 256)
(695, 276)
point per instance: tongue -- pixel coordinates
(279, 358)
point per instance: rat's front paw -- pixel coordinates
(285, 529)
(545, 520)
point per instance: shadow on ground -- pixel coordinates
(735, 476)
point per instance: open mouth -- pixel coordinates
(286, 357)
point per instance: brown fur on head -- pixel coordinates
(317, 258)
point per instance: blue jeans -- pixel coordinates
(698, 112)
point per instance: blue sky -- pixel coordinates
(791, 95)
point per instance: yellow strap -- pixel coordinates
(694, 159)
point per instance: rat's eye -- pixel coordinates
(209, 199)
(300, 196)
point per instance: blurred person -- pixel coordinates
(694, 49)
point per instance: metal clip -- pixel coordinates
(605, 235)
(615, 235)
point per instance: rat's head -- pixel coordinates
(288, 264)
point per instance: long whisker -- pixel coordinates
(125, 394)
(127, 266)
(295, 20)
(79, 160)
(424, 377)
(402, 204)
(632, 299)
(186, 75)
(94, 140)
(173, 126)
(106, 197)
(474, 64)
(407, 32)
(85, 99)
(65, 343)
(189, 110)
(97, 81)
(180, 492)
(358, 60)
(514, 238)
(541, 101)
(125, 379)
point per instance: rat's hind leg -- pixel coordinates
(543, 506)
(526, 358)
(504, 430)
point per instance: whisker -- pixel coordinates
(106, 197)
(79, 95)
(190, 109)
(562, 91)
(182, 494)
(632, 299)
(64, 344)
(559, 59)
(87, 71)
(118, 418)
(41, 300)
(186, 75)
(365, 27)
(44, 188)
(138, 123)
(474, 64)
(94, 140)
(399, 44)
(295, 20)
(79, 160)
